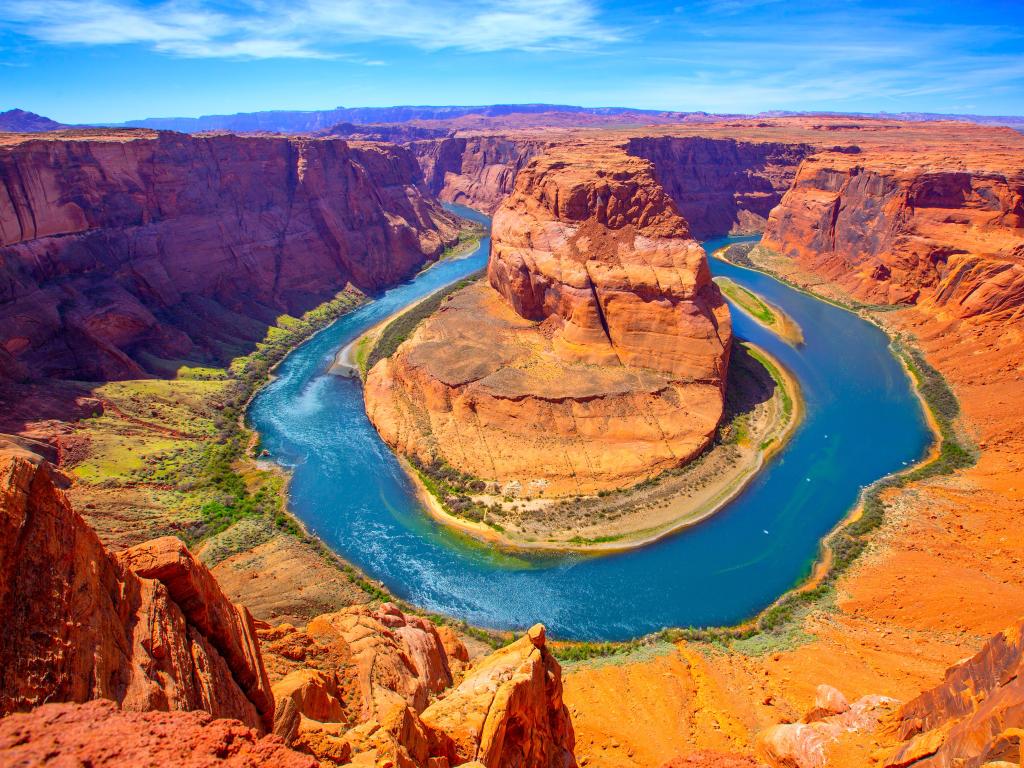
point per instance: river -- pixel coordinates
(863, 421)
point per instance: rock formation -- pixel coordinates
(120, 247)
(898, 226)
(596, 357)
(806, 744)
(81, 624)
(720, 185)
(150, 631)
(373, 685)
(974, 717)
(478, 171)
(508, 711)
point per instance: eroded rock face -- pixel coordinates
(806, 744)
(596, 357)
(903, 227)
(80, 624)
(99, 734)
(507, 712)
(116, 246)
(373, 687)
(975, 716)
(478, 171)
(722, 186)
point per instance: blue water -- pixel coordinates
(862, 421)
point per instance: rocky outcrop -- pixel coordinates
(974, 717)
(100, 735)
(595, 358)
(596, 244)
(150, 631)
(478, 171)
(81, 624)
(806, 744)
(355, 681)
(722, 186)
(121, 249)
(507, 712)
(897, 227)
(368, 686)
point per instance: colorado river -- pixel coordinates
(863, 421)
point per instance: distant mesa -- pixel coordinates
(20, 121)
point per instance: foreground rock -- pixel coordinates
(119, 249)
(98, 734)
(149, 629)
(596, 358)
(508, 711)
(372, 686)
(974, 717)
(806, 744)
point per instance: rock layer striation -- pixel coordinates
(899, 227)
(595, 357)
(149, 629)
(120, 247)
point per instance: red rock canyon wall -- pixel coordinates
(118, 246)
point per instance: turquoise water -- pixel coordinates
(862, 421)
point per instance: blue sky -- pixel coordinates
(109, 60)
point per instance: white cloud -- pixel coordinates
(308, 28)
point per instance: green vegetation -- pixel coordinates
(780, 380)
(182, 440)
(469, 237)
(747, 300)
(451, 488)
(596, 540)
(402, 327)
(362, 354)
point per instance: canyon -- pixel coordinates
(125, 253)
(919, 226)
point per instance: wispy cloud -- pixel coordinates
(308, 28)
(827, 57)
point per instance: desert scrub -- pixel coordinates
(452, 489)
(177, 447)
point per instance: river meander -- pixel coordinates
(862, 421)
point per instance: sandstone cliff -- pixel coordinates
(901, 227)
(120, 247)
(149, 629)
(974, 718)
(478, 171)
(597, 355)
(722, 186)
